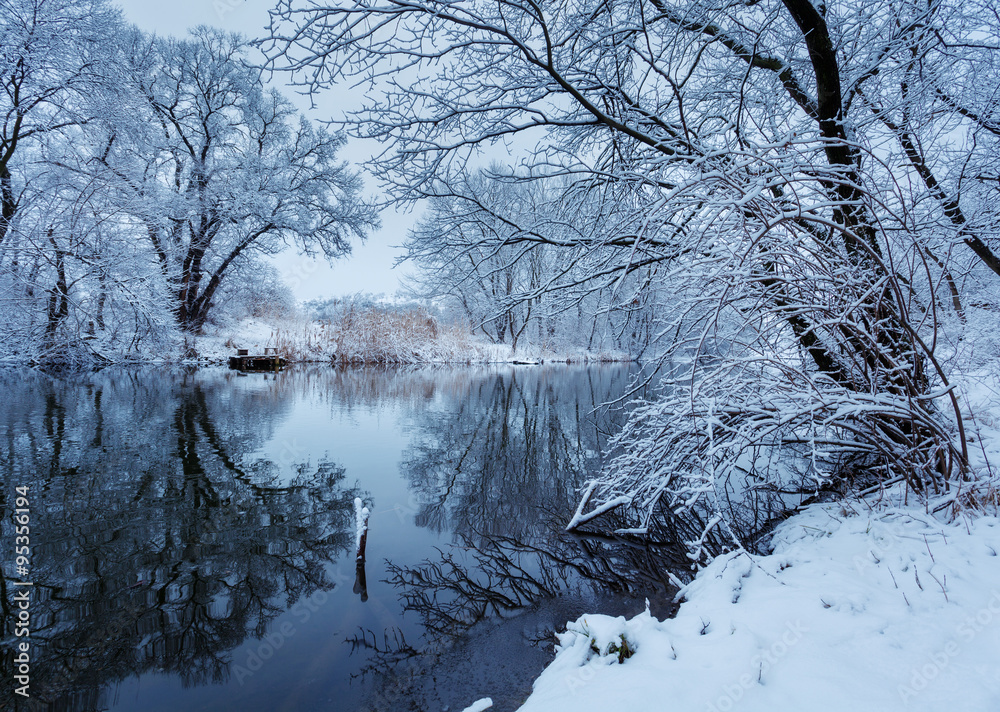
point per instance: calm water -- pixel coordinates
(192, 534)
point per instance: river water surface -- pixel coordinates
(192, 534)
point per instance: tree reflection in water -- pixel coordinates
(502, 471)
(516, 441)
(157, 550)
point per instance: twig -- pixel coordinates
(945, 592)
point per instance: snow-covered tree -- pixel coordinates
(137, 173)
(518, 258)
(52, 60)
(230, 169)
(471, 254)
(60, 255)
(803, 179)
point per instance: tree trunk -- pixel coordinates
(58, 305)
(8, 203)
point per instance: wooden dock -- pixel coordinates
(270, 361)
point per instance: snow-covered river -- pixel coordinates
(193, 546)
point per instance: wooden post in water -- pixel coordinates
(360, 542)
(361, 533)
(361, 580)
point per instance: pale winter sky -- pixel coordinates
(369, 268)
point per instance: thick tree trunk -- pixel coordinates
(8, 203)
(829, 107)
(200, 304)
(101, 300)
(893, 362)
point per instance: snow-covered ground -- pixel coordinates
(861, 606)
(882, 602)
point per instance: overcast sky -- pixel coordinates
(369, 267)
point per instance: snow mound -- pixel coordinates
(884, 610)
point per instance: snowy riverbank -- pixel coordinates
(376, 337)
(354, 337)
(867, 605)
